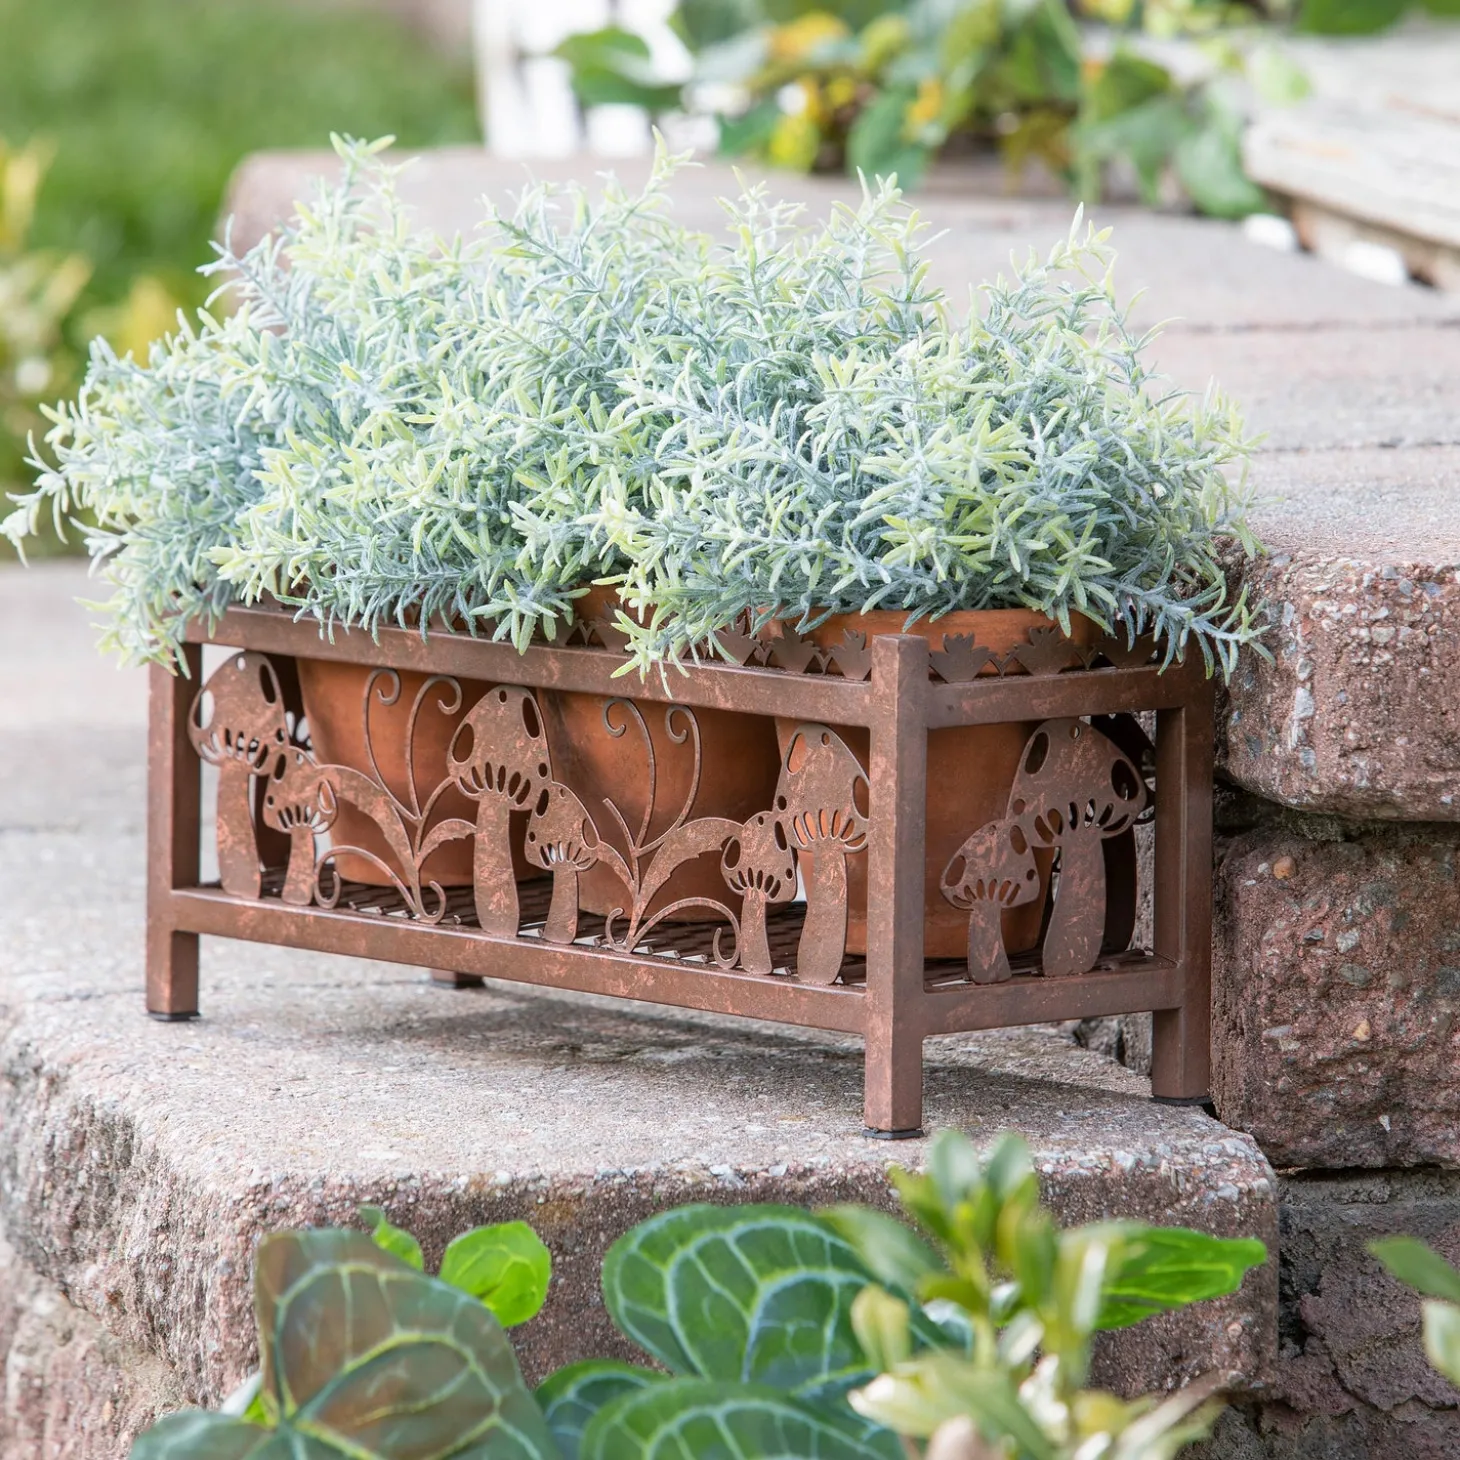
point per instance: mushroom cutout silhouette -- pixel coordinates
(1074, 788)
(562, 840)
(818, 801)
(244, 734)
(499, 758)
(993, 870)
(759, 864)
(300, 801)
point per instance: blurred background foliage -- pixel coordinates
(120, 123)
(1159, 89)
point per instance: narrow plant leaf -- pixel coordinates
(1419, 1265)
(691, 1417)
(506, 1266)
(392, 1239)
(1159, 1268)
(571, 1397)
(890, 1249)
(1442, 1338)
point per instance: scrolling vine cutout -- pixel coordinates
(500, 759)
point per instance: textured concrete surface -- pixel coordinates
(1359, 710)
(141, 1161)
(1351, 1380)
(72, 1390)
(1337, 990)
(1353, 386)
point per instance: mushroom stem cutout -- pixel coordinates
(1075, 788)
(561, 839)
(238, 724)
(759, 864)
(499, 758)
(822, 799)
(993, 870)
(300, 801)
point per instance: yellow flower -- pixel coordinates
(791, 44)
(839, 92)
(795, 142)
(926, 107)
(884, 38)
(1112, 12)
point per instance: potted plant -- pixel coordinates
(789, 435)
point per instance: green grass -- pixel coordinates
(152, 103)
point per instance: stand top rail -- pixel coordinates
(714, 684)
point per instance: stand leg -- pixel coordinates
(1181, 1056)
(173, 822)
(897, 770)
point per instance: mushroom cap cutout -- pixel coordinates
(993, 870)
(499, 750)
(996, 864)
(759, 859)
(822, 799)
(245, 724)
(1073, 781)
(560, 832)
(299, 794)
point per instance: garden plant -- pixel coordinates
(887, 86)
(384, 428)
(775, 1333)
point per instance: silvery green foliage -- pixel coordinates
(353, 439)
(388, 428)
(1021, 459)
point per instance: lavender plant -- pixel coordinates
(1022, 458)
(387, 427)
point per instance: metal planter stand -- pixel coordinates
(1088, 775)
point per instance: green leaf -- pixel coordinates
(752, 1293)
(685, 1418)
(194, 1435)
(749, 131)
(877, 145)
(506, 1266)
(1442, 1338)
(1417, 1264)
(392, 1239)
(1209, 164)
(1159, 1268)
(366, 1358)
(1349, 17)
(890, 1249)
(571, 1397)
(613, 65)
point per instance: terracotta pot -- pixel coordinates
(739, 764)
(335, 706)
(970, 773)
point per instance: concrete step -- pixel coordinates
(142, 1161)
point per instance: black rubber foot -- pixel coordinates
(1198, 1102)
(453, 981)
(916, 1133)
(173, 1018)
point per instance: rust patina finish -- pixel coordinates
(1085, 775)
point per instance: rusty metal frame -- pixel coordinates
(900, 1001)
